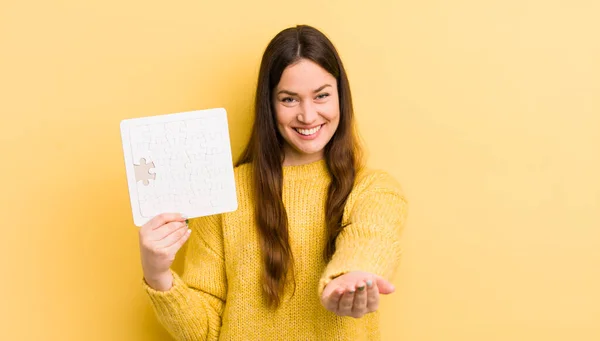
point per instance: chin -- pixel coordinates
(309, 150)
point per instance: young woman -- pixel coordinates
(315, 237)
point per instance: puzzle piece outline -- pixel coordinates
(142, 171)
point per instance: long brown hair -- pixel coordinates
(265, 152)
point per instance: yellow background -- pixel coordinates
(488, 112)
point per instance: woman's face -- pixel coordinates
(307, 111)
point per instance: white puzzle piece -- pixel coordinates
(179, 163)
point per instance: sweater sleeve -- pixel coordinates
(192, 308)
(370, 240)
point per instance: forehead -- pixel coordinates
(305, 76)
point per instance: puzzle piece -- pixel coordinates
(142, 172)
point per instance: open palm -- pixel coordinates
(355, 293)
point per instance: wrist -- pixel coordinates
(160, 282)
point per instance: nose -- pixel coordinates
(308, 113)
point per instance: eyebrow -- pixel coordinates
(295, 94)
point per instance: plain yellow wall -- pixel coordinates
(488, 112)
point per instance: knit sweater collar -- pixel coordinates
(316, 169)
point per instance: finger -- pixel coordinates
(172, 238)
(166, 230)
(332, 299)
(173, 248)
(372, 296)
(162, 219)
(359, 308)
(346, 302)
(384, 286)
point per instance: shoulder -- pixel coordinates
(243, 172)
(243, 169)
(376, 190)
(243, 187)
(376, 180)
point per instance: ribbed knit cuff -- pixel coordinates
(175, 293)
(328, 277)
(177, 311)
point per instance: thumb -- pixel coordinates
(329, 289)
(384, 286)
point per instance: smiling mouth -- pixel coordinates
(308, 132)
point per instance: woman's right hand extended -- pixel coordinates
(160, 239)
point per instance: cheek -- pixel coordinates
(284, 116)
(332, 112)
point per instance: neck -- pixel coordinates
(294, 158)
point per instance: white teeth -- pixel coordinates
(308, 132)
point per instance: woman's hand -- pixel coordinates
(355, 294)
(160, 239)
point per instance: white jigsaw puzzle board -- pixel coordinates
(179, 163)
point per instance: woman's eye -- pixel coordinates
(287, 100)
(321, 96)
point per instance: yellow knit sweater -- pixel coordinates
(219, 297)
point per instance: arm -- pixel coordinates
(370, 242)
(191, 309)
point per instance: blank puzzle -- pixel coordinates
(179, 163)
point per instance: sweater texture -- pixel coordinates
(218, 295)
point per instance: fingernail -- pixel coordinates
(369, 283)
(187, 221)
(361, 288)
(351, 291)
